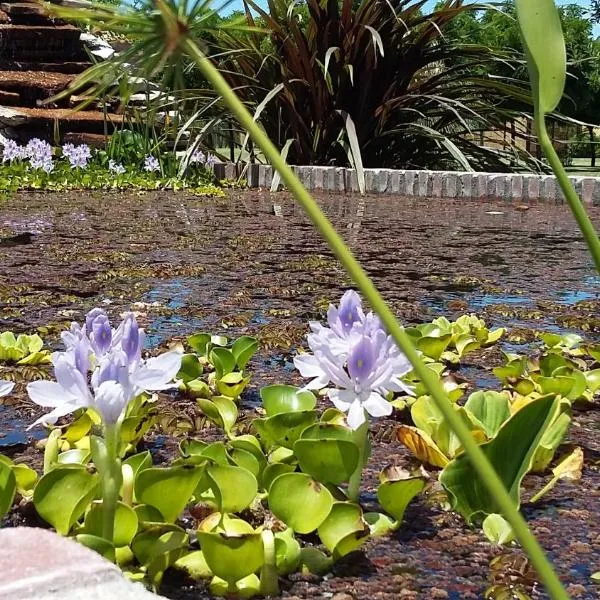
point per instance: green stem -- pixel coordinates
(111, 482)
(269, 580)
(575, 204)
(545, 489)
(364, 284)
(361, 438)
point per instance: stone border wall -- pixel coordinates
(424, 184)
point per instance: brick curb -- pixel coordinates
(522, 187)
(39, 564)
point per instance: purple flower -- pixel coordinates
(151, 164)
(119, 374)
(211, 161)
(355, 360)
(12, 151)
(39, 153)
(198, 157)
(116, 167)
(78, 156)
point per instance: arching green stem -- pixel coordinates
(361, 438)
(575, 204)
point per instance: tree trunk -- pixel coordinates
(592, 145)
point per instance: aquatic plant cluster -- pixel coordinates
(253, 495)
(37, 164)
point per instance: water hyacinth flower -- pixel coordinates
(211, 161)
(78, 156)
(12, 151)
(355, 360)
(151, 164)
(39, 153)
(198, 157)
(118, 372)
(115, 167)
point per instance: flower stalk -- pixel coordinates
(367, 288)
(361, 438)
(269, 581)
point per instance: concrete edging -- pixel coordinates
(423, 184)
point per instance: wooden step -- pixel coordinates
(52, 67)
(9, 98)
(26, 13)
(95, 140)
(43, 42)
(34, 86)
(44, 121)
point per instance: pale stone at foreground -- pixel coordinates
(38, 564)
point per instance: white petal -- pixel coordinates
(51, 417)
(356, 415)
(111, 400)
(308, 365)
(342, 399)
(48, 394)
(377, 406)
(6, 387)
(158, 373)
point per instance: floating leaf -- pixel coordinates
(221, 410)
(62, 495)
(396, 492)
(497, 529)
(8, 488)
(168, 489)
(491, 409)
(287, 552)
(327, 460)
(299, 501)
(243, 349)
(234, 488)
(232, 557)
(344, 529)
(223, 360)
(286, 428)
(421, 445)
(278, 399)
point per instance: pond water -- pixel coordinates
(233, 266)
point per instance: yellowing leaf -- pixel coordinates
(422, 446)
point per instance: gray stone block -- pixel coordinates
(396, 182)
(449, 185)
(351, 180)
(410, 183)
(423, 179)
(252, 175)
(516, 188)
(437, 184)
(534, 184)
(265, 176)
(588, 189)
(479, 186)
(383, 181)
(548, 188)
(465, 185)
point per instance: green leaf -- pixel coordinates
(234, 487)
(396, 492)
(243, 349)
(273, 471)
(8, 488)
(491, 409)
(542, 36)
(195, 565)
(97, 544)
(232, 557)
(126, 523)
(223, 361)
(299, 501)
(63, 494)
(199, 343)
(232, 384)
(221, 410)
(286, 428)
(287, 552)
(279, 399)
(433, 347)
(169, 489)
(510, 453)
(344, 529)
(26, 479)
(190, 368)
(77, 456)
(327, 460)
(498, 530)
(165, 552)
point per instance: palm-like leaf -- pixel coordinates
(416, 99)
